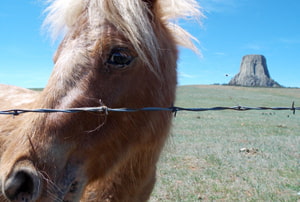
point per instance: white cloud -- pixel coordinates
(220, 53)
(184, 75)
(218, 6)
(289, 41)
(254, 46)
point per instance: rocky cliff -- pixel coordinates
(254, 72)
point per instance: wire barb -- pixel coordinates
(293, 107)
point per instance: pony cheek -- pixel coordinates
(116, 87)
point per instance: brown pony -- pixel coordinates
(117, 53)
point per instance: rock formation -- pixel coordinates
(253, 72)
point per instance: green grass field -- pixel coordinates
(232, 155)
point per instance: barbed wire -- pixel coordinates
(173, 109)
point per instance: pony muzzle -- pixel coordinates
(23, 183)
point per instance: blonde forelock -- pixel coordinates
(129, 16)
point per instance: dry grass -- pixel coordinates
(229, 155)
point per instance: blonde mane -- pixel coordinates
(128, 16)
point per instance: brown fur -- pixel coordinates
(93, 156)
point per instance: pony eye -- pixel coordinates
(119, 58)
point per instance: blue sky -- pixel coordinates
(231, 29)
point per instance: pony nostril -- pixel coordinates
(20, 184)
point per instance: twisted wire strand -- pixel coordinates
(173, 109)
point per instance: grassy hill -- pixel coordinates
(232, 155)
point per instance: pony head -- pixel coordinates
(114, 53)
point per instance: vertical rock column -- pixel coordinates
(253, 72)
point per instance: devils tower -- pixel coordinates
(254, 72)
